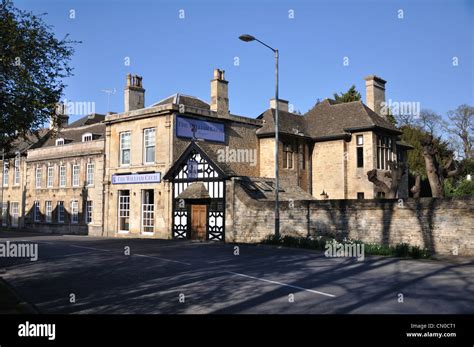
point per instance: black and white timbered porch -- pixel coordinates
(198, 195)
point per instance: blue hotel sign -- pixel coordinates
(211, 131)
(137, 178)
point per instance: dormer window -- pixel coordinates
(87, 137)
(59, 142)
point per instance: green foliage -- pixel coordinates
(319, 243)
(402, 250)
(33, 64)
(458, 189)
(351, 95)
(416, 162)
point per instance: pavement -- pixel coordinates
(90, 275)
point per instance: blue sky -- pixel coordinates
(414, 54)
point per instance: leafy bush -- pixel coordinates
(319, 243)
(402, 250)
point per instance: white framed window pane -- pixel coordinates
(149, 145)
(75, 175)
(16, 178)
(124, 210)
(88, 214)
(360, 140)
(50, 176)
(62, 176)
(5, 174)
(125, 142)
(48, 211)
(38, 177)
(74, 212)
(90, 174)
(4, 214)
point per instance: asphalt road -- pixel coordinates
(170, 276)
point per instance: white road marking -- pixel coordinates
(164, 259)
(91, 248)
(282, 284)
(219, 261)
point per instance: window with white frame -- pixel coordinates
(62, 176)
(59, 142)
(125, 144)
(124, 210)
(4, 214)
(38, 178)
(61, 214)
(75, 175)
(15, 213)
(16, 175)
(148, 210)
(88, 214)
(50, 176)
(87, 137)
(74, 212)
(5, 173)
(149, 145)
(48, 211)
(90, 174)
(36, 211)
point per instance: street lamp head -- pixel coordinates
(247, 38)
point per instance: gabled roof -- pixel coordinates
(289, 123)
(87, 120)
(74, 134)
(211, 157)
(181, 99)
(329, 118)
(22, 144)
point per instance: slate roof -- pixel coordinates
(22, 144)
(181, 99)
(87, 120)
(329, 118)
(289, 123)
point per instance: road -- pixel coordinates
(81, 274)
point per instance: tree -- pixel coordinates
(33, 64)
(351, 95)
(429, 121)
(435, 170)
(461, 126)
(395, 175)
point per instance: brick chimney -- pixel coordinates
(219, 93)
(375, 93)
(134, 94)
(282, 104)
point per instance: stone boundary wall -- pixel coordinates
(444, 226)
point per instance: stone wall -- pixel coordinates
(441, 225)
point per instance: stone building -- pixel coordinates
(177, 168)
(13, 180)
(64, 177)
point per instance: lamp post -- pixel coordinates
(249, 38)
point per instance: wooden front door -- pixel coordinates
(198, 222)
